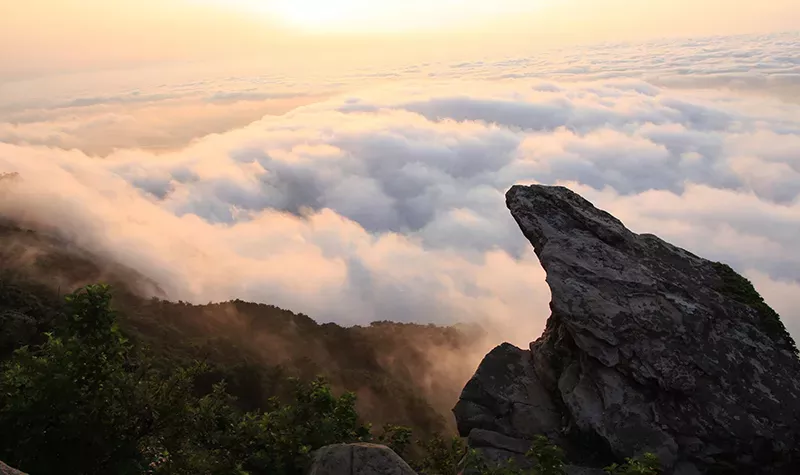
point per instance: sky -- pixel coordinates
(348, 160)
(57, 35)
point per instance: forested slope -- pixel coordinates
(404, 374)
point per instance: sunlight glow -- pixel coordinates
(382, 15)
(324, 14)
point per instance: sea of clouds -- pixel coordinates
(379, 194)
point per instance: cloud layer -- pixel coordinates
(382, 198)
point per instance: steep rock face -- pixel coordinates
(508, 386)
(648, 348)
(358, 459)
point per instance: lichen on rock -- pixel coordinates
(358, 459)
(649, 348)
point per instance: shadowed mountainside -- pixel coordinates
(405, 374)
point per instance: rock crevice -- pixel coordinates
(649, 348)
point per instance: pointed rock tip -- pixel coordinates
(544, 212)
(538, 189)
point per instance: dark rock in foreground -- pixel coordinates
(6, 470)
(649, 348)
(358, 459)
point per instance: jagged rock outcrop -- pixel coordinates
(6, 470)
(358, 459)
(649, 348)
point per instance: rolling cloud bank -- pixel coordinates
(378, 195)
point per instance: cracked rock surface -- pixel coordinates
(358, 459)
(649, 348)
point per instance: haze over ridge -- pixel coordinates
(376, 193)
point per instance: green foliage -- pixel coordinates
(280, 440)
(548, 457)
(440, 456)
(648, 464)
(72, 396)
(478, 464)
(376, 360)
(397, 438)
(86, 401)
(740, 289)
(544, 458)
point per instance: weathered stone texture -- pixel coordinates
(647, 349)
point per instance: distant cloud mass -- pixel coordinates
(379, 195)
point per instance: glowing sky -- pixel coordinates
(39, 35)
(384, 16)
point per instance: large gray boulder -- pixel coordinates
(649, 348)
(358, 459)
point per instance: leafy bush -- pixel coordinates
(77, 394)
(545, 458)
(440, 456)
(548, 457)
(397, 438)
(648, 464)
(87, 401)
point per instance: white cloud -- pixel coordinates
(386, 201)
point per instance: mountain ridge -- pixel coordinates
(254, 346)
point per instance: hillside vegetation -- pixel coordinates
(400, 375)
(98, 380)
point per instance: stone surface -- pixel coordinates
(358, 459)
(506, 396)
(6, 470)
(649, 348)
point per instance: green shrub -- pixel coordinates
(648, 464)
(545, 458)
(397, 438)
(548, 457)
(86, 401)
(440, 456)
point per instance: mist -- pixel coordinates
(378, 194)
